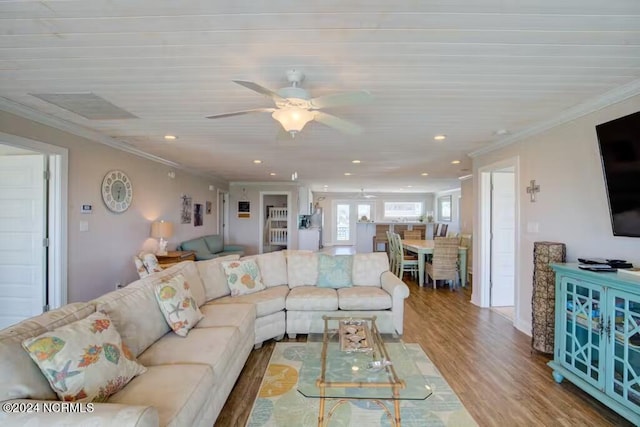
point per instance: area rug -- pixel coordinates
(279, 404)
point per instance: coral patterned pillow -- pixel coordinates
(84, 361)
(243, 277)
(178, 306)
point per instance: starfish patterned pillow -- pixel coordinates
(84, 361)
(177, 304)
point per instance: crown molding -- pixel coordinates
(614, 96)
(29, 113)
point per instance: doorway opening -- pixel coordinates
(498, 237)
(275, 221)
(33, 190)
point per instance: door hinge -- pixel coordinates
(45, 308)
(45, 242)
(46, 175)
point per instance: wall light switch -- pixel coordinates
(84, 225)
(533, 227)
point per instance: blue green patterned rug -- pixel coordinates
(279, 404)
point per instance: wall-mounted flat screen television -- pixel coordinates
(619, 142)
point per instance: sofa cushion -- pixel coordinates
(213, 278)
(199, 247)
(302, 269)
(241, 316)
(271, 300)
(84, 361)
(177, 304)
(363, 298)
(214, 243)
(187, 269)
(20, 378)
(334, 271)
(215, 347)
(312, 298)
(179, 392)
(243, 277)
(273, 268)
(135, 312)
(367, 268)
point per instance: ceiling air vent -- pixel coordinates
(87, 105)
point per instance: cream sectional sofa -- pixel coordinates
(189, 379)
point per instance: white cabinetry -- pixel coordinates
(309, 239)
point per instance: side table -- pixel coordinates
(174, 257)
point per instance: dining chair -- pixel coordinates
(412, 235)
(453, 234)
(443, 230)
(403, 263)
(436, 229)
(392, 254)
(444, 262)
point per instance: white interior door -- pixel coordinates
(502, 239)
(22, 231)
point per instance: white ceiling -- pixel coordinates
(464, 68)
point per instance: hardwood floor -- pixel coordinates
(487, 362)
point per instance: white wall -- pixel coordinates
(102, 256)
(571, 206)
(466, 206)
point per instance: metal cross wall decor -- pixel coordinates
(532, 189)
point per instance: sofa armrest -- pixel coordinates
(398, 291)
(394, 286)
(57, 413)
(233, 248)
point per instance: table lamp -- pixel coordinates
(161, 230)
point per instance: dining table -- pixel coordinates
(425, 247)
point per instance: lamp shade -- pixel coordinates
(161, 229)
(293, 119)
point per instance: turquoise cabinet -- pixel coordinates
(597, 336)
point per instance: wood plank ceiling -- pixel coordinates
(463, 68)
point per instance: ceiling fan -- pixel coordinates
(295, 107)
(363, 195)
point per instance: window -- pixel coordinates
(444, 208)
(402, 210)
(364, 212)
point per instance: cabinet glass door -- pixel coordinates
(582, 342)
(624, 345)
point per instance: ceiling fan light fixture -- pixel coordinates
(293, 119)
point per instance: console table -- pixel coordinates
(597, 336)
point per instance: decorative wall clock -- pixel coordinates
(117, 191)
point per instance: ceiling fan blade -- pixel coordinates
(339, 99)
(337, 123)
(239, 113)
(260, 89)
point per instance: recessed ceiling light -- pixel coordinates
(272, 173)
(347, 173)
(501, 132)
(440, 137)
(424, 174)
(409, 186)
(170, 137)
(455, 162)
(257, 162)
(355, 161)
(325, 186)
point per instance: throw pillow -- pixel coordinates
(151, 263)
(273, 268)
(176, 303)
(84, 361)
(243, 277)
(140, 268)
(334, 271)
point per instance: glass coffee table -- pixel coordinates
(348, 358)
